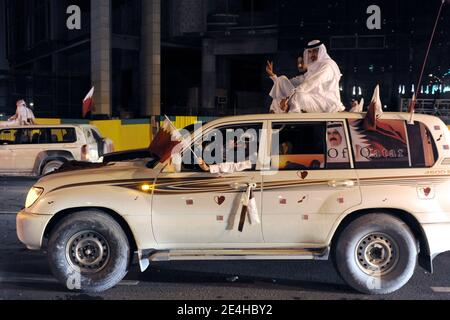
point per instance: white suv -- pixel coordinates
(38, 150)
(376, 201)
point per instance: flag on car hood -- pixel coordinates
(88, 102)
(165, 140)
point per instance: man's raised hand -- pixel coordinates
(269, 69)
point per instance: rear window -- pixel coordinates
(394, 144)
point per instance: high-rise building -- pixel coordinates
(215, 51)
(3, 60)
(116, 49)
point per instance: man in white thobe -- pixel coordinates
(23, 116)
(319, 92)
(282, 86)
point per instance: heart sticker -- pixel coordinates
(302, 174)
(427, 191)
(219, 200)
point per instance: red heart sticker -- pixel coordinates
(219, 200)
(427, 191)
(302, 174)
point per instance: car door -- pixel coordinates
(310, 182)
(28, 145)
(192, 207)
(7, 139)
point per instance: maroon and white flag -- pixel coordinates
(374, 112)
(165, 140)
(249, 207)
(88, 102)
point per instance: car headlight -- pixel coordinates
(33, 195)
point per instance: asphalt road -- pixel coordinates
(25, 274)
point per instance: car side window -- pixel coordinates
(8, 136)
(30, 136)
(227, 144)
(62, 135)
(309, 145)
(385, 147)
(422, 146)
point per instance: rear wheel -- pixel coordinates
(88, 251)
(51, 166)
(376, 254)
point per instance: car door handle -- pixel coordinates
(341, 183)
(242, 186)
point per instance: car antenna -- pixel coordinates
(414, 98)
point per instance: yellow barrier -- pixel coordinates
(135, 136)
(127, 134)
(112, 130)
(48, 121)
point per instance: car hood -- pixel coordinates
(114, 171)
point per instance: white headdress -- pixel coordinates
(322, 56)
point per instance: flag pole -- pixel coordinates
(414, 98)
(176, 129)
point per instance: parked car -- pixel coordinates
(38, 150)
(375, 201)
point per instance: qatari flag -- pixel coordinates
(165, 140)
(88, 102)
(374, 112)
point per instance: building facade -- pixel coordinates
(116, 49)
(4, 66)
(217, 50)
(208, 57)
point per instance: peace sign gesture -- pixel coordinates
(269, 69)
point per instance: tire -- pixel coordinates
(376, 254)
(51, 166)
(89, 252)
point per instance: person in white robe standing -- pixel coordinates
(284, 87)
(319, 92)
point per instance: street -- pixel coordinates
(25, 274)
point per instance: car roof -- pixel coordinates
(44, 126)
(427, 119)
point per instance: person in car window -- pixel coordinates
(229, 167)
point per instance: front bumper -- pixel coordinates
(30, 229)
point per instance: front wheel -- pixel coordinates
(51, 166)
(376, 254)
(88, 251)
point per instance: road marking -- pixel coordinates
(128, 283)
(16, 279)
(441, 289)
